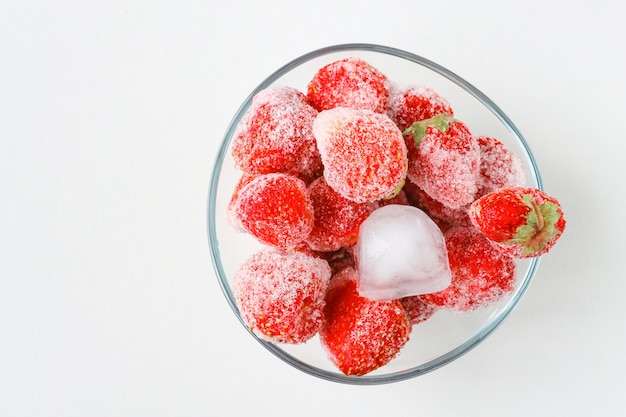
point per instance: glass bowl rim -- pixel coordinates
(426, 367)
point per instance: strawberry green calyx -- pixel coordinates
(439, 122)
(539, 228)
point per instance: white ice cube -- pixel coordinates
(400, 252)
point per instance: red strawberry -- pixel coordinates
(522, 222)
(337, 219)
(499, 167)
(418, 309)
(275, 209)
(444, 216)
(413, 103)
(481, 274)
(363, 153)
(275, 134)
(444, 159)
(231, 216)
(361, 335)
(350, 82)
(280, 295)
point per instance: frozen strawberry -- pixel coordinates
(417, 309)
(363, 153)
(358, 334)
(523, 222)
(350, 82)
(444, 216)
(275, 209)
(481, 274)
(275, 134)
(337, 219)
(414, 103)
(280, 295)
(444, 160)
(304, 247)
(231, 216)
(499, 167)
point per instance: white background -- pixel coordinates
(111, 113)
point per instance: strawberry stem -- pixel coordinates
(540, 221)
(539, 228)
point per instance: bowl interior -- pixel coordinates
(445, 336)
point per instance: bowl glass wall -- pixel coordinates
(445, 336)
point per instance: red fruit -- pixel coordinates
(280, 295)
(231, 216)
(443, 160)
(361, 335)
(522, 222)
(414, 103)
(481, 274)
(363, 153)
(350, 82)
(499, 167)
(444, 216)
(417, 309)
(275, 134)
(337, 219)
(275, 209)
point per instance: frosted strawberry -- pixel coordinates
(363, 152)
(499, 167)
(414, 103)
(523, 222)
(358, 334)
(444, 160)
(481, 274)
(280, 295)
(275, 209)
(231, 216)
(418, 309)
(337, 219)
(275, 134)
(444, 216)
(350, 82)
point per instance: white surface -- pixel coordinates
(110, 118)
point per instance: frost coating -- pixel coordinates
(363, 153)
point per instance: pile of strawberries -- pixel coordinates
(315, 165)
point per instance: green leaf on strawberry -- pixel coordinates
(418, 129)
(539, 227)
(522, 222)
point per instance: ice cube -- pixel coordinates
(400, 252)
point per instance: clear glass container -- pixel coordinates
(447, 335)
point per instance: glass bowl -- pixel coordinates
(445, 336)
